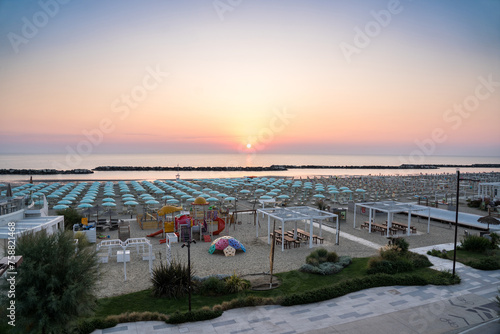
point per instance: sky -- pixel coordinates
(405, 77)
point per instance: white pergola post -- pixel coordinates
(429, 220)
(337, 232)
(151, 259)
(370, 214)
(257, 226)
(282, 235)
(389, 222)
(355, 205)
(409, 224)
(310, 233)
(124, 262)
(269, 229)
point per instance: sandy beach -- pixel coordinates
(355, 242)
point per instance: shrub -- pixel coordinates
(213, 287)
(495, 240)
(329, 268)
(476, 203)
(377, 265)
(87, 326)
(419, 260)
(308, 268)
(434, 252)
(170, 281)
(390, 253)
(236, 284)
(474, 243)
(332, 257)
(402, 265)
(401, 243)
(322, 262)
(488, 263)
(71, 217)
(345, 260)
(137, 316)
(198, 315)
(55, 284)
(312, 261)
(321, 255)
(203, 278)
(357, 284)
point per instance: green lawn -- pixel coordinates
(292, 282)
(472, 258)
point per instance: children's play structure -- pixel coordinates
(201, 219)
(227, 244)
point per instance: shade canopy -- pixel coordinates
(168, 209)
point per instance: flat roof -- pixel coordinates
(28, 224)
(392, 206)
(296, 213)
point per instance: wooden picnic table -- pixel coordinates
(379, 228)
(307, 236)
(403, 227)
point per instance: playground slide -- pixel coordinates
(155, 233)
(162, 241)
(220, 226)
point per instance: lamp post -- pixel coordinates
(188, 245)
(456, 224)
(456, 219)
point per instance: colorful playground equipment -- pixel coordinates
(201, 219)
(227, 244)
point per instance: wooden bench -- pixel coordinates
(307, 236)
(289, 241)
(403, 227)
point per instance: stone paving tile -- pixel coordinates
(224, 323)
(259, 320)
(399, 302)
(115, 329)
(319, 317)
(357, 296)
(374, 310)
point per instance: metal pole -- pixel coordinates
(456, 225)
(189, 270)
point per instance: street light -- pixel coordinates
(456, 219)
(456, 224)
(188, 245)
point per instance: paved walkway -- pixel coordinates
(396, 309)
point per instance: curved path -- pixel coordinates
(396, 309)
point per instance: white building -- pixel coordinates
(18, 215)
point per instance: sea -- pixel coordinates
(67, 161)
